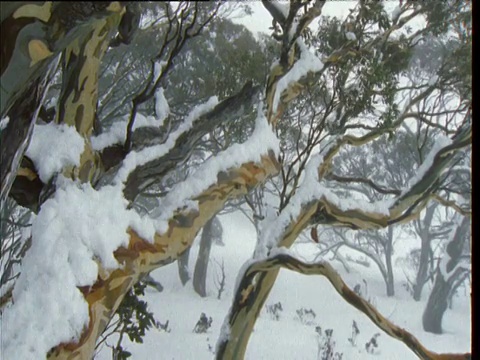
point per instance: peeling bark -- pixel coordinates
(25, 64)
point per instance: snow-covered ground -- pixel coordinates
(288, 338)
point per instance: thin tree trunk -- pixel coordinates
(388, 262)
(436, 306)
(183, 267)
(201, 266)
(425, 251)
(438, 300)
(421, 277)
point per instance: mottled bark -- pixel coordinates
(35, 33)
(15, 138)
(141, 257)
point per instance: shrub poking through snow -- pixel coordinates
(355, 332)
(163, 327)
(210, 347)
(326, 346)
(306, 316)
(372, 345)
(274, 310)
(219, 279)
(203, 324)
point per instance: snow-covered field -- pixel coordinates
(288, 338)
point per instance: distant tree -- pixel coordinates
(452, 267)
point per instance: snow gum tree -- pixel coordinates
(347, 84)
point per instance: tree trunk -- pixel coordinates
(438, 300)
(29, 25)
(244, 315)
(421, 277)
(425, 251)
(436, 305)
(390, 284)
(142, 256)
(251, 294)
(183, 267)
(388, 262)
(201, 266)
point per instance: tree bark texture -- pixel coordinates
(35, 34)
(141, 257)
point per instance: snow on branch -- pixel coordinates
(74, 235)
(283, 259)
(307, 63)
(135, 159)
(451, 262)
(4, 122)
(162, 109)
(311, 190)
(427, 174)
(117, 133)
(159, 156)
(262, 140)
(279, 11)
(313, 201)
(54, 147)
(440, 143)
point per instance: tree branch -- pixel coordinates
(225, 111)
(285, 261)
(346, 179)
(141, 256)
